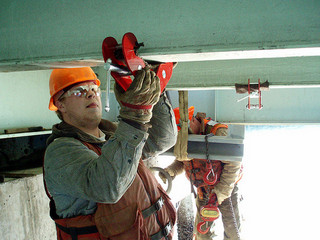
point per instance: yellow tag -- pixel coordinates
(205, 212)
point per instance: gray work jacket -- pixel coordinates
(77, 177)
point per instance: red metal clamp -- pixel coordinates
(125, 61)
(254, 94)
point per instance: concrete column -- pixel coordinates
(24, 210)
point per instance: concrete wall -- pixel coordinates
(24, 98)
(24, 210)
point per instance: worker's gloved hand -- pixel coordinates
(173, 170)
(137, 102)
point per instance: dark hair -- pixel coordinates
(58, 112)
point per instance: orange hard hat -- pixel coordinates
(177, 115)
(64, 77)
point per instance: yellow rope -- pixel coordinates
(181, 147)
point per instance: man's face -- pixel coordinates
(222, 132)
(81, 105)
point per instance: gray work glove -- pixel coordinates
(174, 169)
(137, 102)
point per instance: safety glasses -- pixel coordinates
(81, 91)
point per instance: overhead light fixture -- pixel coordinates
(234, 55)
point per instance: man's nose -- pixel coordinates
(91, 94)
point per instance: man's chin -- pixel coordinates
(94, 117)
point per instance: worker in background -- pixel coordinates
(221, 193)
(94, 174)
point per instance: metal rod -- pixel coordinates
(107, 108)
(111, 67)
(121, 70)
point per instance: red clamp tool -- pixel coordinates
(254, 91)
(254, 95)
(122, 61)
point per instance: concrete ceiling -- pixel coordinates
(216, 43)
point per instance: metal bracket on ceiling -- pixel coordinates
(254, 91)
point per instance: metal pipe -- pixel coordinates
(111, 67)
(121, 70)
(107, 108)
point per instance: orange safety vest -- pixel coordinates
(196, 170)
(144, 212)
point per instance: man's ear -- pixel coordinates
(60, 105)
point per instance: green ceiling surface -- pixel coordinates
(39, 34)
(32, 29)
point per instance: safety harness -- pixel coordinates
(204, 174)
(88, 228)
(76, 232)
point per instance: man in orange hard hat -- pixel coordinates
(97, 183)
(212, 197)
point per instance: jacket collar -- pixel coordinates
(64, 129)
